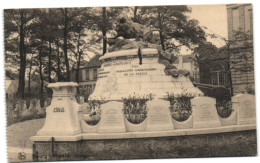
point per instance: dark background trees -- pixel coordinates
(50, 43)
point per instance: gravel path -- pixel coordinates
(18, 134)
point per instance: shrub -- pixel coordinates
(180, 106)
(224, 109)
(135, 110)
(95, 111)
(249, 89)
(221, 94)
(223, 101)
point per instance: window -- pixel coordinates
(248, 19)
(89, 89)
(87, 75)
(95, 74)
(235, 19)
(218, 76)
(251, 21)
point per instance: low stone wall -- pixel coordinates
(204, 115)
(66, 136)
(242, 143)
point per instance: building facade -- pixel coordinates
(88, 75)
(241, 57)
(186, 62)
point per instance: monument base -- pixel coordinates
(214, 142)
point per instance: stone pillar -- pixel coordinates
(62, 115)
(244, 105)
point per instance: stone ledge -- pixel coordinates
(145, 134)
(130, 52)
(62, 84)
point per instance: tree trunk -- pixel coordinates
(65, 48)
(229, 72)
(40, 72)
(49, 64)
(77, 71)
(29, 78)
(22, 59)
(135, 13)
(78, 62)
(104, 31)
(58, 62)
(160, 27)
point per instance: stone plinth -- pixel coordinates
(158, 116)
(112, 118)
(244, 105)
(62, 115)
(204, 112)
(147, 146)
(121, 75)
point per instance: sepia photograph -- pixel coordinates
(129, 82)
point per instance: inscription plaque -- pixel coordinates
(204, 112)
(247, 110)
(158, 116)
(244, 104)
(112, 118)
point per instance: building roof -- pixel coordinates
(186, 59)
(93, 63)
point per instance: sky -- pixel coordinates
(214, 18)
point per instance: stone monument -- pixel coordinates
(135, 65)
(62, 115)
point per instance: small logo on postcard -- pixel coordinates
(21, 156)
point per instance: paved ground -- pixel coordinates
(18, 138)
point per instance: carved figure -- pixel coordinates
(128, 29)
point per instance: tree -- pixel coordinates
(82, 38)
(175, 29)
(105, 21)
(238, 52)
(205, 51)
(17, 27)
(39, 37)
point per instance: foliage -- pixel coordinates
(15, 114)
(135, 108)
(95, 111)
(249, 89)
(180, 106)
(223, 101)
(224, 108)
(205, 51)
(175, 29)
(221, 94)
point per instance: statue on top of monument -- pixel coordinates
(131, 35)
(129, 30)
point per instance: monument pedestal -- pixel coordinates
(62, 114)
(121, 76)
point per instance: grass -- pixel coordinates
(18, 134)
